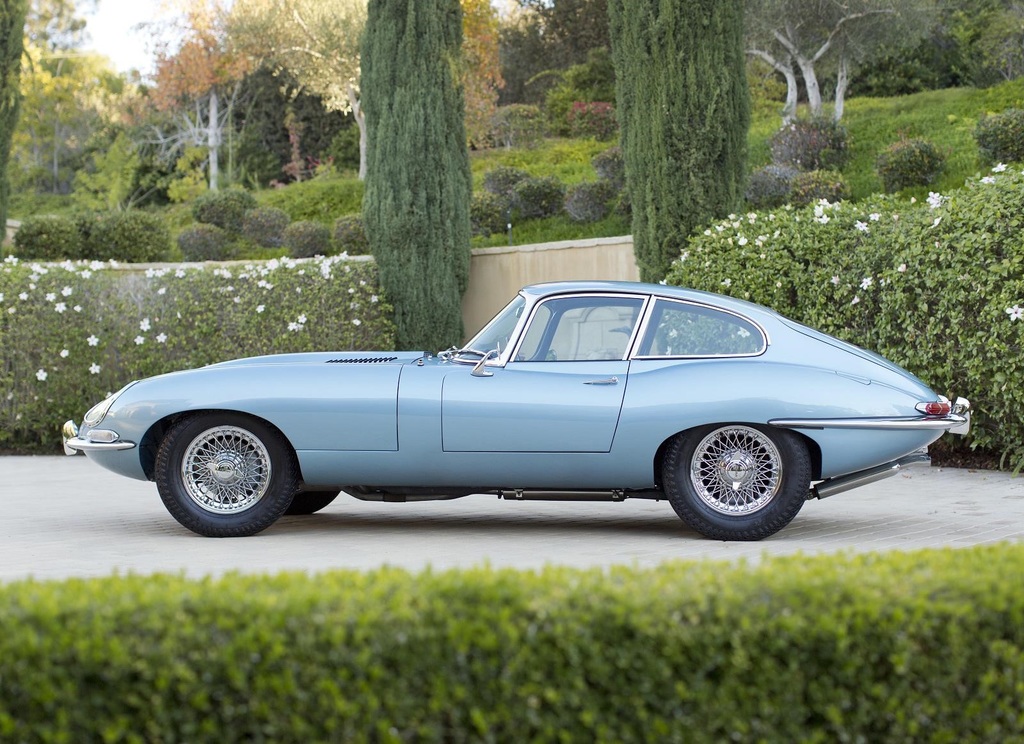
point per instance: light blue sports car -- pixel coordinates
(575, 390)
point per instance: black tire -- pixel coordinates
(310, 502)
(225, 474)
(737, 481)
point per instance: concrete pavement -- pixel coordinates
(66, 517)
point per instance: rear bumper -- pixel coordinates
(957, 421)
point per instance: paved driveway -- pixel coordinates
(62, 517)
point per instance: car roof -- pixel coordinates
(550, 289)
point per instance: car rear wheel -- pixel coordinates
(310, 502)
(225, 475)
(738, 481)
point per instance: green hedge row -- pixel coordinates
(895, 648)
(936, 286)
(71, 333)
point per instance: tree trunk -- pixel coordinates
(842, 82)
(360, 117)
(213, 139)
(811, 84)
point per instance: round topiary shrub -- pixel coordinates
(305, 239)
(589, 202)
(488, 213)
(48, 237)
(1000, 137)
(538, 197)
(131, 236)
(350, 235)
(771, 186)
(909, 162)
(596, 119)
(517, 125)
(610, 166)
(503, 179)
(204, 243)
(265, 226)
(225, 209)
(811, 144)
(817, 185)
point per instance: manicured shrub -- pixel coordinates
(488, 213)
(503, 179)
(538, 197)
(1000, 137)
(813, 186)
(265, 226)
(205, 243)
(908, 163)
(130, 236)
(226, 209)
(811, 144)
(595, 120)
(48, 237)
(770, 186)
(350, 235)
(610, 167)
(120, 324)
(898, 647)
(517, 125)
(305, 239)
(589, 201)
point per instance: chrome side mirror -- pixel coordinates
(479, 369)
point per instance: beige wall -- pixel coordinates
(12, 227)
(496, 274)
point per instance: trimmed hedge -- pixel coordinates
(72, 333)
(129, 236)
(909, 162)
(925, 646)
(306, 238)
(225, 209)
(1000, 137)
(936, 286)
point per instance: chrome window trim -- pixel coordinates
(645, 304)
(517, 333)
(765, 338)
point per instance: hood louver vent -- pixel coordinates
(363, 360)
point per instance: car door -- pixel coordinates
(562, 388)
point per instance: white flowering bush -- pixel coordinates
(72, 333)
(937, 286)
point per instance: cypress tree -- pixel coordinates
(418, 183)
(684, 112)
(12, 29)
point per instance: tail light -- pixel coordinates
(939, 407)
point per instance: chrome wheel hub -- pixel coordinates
(226, 470)
(736, 470)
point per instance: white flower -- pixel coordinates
(162, 290)
(179, 274)
(144, 324)
(743, 240)
(94, 369)
(50, 296)
(356, 322)
(988, 179)
(161, 338)
(64, 353)
(999, 167)
(92, 340)
(902, 268)
(60, 307)
(85, 274)
(77, 308)
(823, 219)
(293, 326)
(1016, 312)
(727, 282)
(855, 300)
(874, 216)
(374, 298)
(41, 375)
(66, 292)
(23, 296)
(260, 308)
(140, 340)
(935, 200)
(302, 319)
(835, 280)
(862, 226)
(866, 282)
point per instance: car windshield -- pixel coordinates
(497, 334)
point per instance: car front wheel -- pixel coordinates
(225, 475)
(738, 481)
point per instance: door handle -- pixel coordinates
(606, 381)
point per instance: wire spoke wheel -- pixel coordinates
(226, 469)
(736, 470)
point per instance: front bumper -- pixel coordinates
(96, 440)
(957, 421)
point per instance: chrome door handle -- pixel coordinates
(607, 381)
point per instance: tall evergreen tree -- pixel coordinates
(684, 112)
(418, 183)
(12, 31)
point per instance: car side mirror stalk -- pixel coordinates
(480, 368)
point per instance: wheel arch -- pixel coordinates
(813, 449)
(154, 436)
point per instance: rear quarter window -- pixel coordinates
(682, 329)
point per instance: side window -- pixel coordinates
(679, 329)
(575, 329)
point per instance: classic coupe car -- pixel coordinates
(575, 390)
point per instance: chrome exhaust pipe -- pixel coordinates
(832, 486)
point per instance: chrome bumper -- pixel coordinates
(957, 421)
(105, 440)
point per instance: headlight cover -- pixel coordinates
(96, 414)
